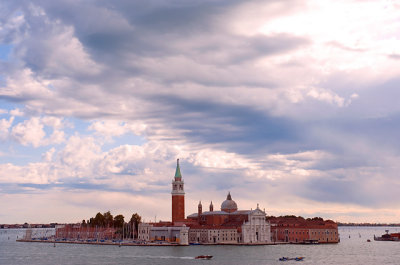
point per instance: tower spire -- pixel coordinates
(178, 174)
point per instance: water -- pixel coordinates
(353, 250)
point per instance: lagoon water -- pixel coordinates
(353, 249)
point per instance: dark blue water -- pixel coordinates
(353, 250)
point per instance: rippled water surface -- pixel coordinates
(353, 249)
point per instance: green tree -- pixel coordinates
(119, 221)
(108, 219)
(91, 221)
(99, 220)
(135, 220)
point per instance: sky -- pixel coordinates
(292, 104)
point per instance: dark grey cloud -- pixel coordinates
(110, 32)
(238, 128)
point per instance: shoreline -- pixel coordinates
(160, 244)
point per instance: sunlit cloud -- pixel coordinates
(290, 104)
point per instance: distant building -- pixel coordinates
(293, 229)
(153, 232)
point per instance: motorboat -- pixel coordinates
(204, 257)
(296, 258)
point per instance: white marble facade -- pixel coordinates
(256, 229)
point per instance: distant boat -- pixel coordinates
(296, 259)
(310, 241)
(388, 237)
(204, 257)
(368, 240)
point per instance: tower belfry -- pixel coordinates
(178, 196)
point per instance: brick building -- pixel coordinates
(299, 230)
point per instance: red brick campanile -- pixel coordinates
(178, 196)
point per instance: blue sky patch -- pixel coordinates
(5, 51)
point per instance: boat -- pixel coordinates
(310, 242)
(296, 258)
(388, 237)
(368, 240)
(204, 257)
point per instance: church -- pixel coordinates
(229, 225)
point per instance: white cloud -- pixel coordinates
(17, 112)
(48, 156)
(326, 96)
(5, 125)
(29, 132)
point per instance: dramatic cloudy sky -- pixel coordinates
(290, 104)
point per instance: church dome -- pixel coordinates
(229, 205)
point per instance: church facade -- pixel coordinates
(229, 225)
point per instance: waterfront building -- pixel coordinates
(204, 234)
(161, 232)
(250, 225)
(293, 229)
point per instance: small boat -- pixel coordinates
(368, 240)
(296, 258)
(204, 257)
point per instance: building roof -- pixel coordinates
(240, 212)
(299, 222)
(229, 204)
(193, 215)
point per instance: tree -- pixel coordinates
(99, 220)
(135, 220)
(108, 219)
(119, 220)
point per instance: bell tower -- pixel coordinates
(178, 196)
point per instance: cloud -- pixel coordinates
(4, 127)
(326, 96)
(110, 128)
(252, 96)
(16, 112)
(31, 132)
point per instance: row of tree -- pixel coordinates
(108, 220)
